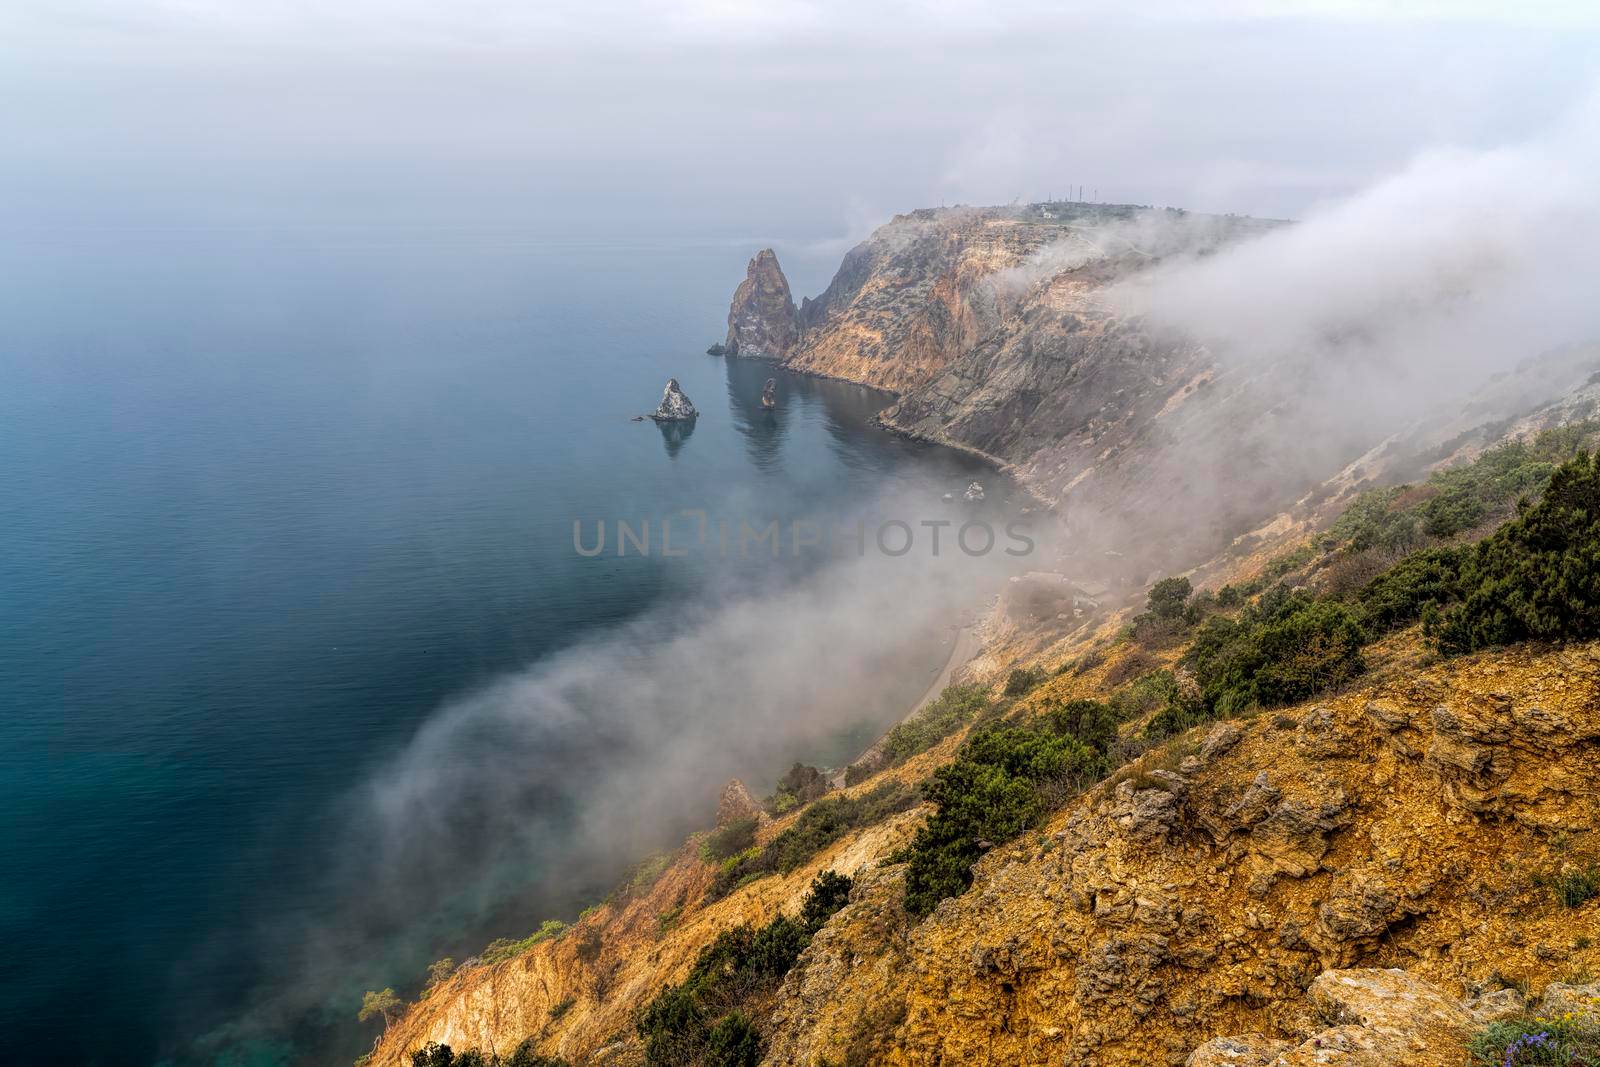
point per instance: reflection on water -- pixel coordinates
(675, 435)
(845, 411)
(763, 430)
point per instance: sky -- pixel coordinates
(788, 120)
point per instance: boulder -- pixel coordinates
(1223, 736)
(1379, 1018)
(1246, 1050)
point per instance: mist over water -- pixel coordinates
(306, 685)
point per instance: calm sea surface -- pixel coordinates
(268, 502)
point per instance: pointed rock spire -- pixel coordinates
(762, 322)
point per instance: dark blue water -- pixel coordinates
(268, 501)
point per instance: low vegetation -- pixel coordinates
(1004, 779)
(730, 840)
(504, 948)
(1023, 680)
(1536, 577)
(1278, 651)
(801, 784)
(1568, 1040)
(708, 1018)
(437, 1055)
(952, 709)
(439, 971)
(815, 828)
(1572, 887)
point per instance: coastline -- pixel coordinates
(1000, 466)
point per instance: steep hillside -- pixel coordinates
(1405, 824)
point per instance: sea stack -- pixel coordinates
(675, 407)
(762, 322)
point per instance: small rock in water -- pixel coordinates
(974, 492)
(769, 394)
(675, 407)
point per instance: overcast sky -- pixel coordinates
(789, 119)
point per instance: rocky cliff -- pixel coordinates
(992, 325)
(999, 330)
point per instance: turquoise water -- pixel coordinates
(270, 502)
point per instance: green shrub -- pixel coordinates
(1306, 650)
(434, 1054)
(526, 1055)
(1089, 721)
(733, 1042)
(729, 840)
(438, 971)
(1457, 499)
(801, 784)
(992, 791)
(1573, 887)
(1287, 648)
(1023, 679)
(1537, 576)
(644, 874)
(1168, 597)
(1400, 595)
(503, 948)
(1178, 716)
(379, 1003)
(688, 1023)
(829, 892)
(1372, 520)
(952, 709)
(815, 828)
(1144, 695)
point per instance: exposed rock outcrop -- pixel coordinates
(735, 804)
(674, 406)
(762, 321)
(1380, 1018)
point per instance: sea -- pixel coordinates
(304, 680)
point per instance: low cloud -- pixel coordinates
(1459, 266)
